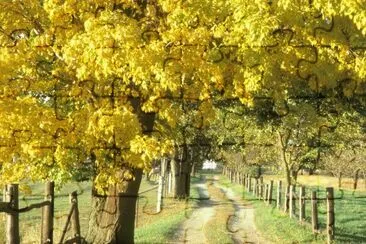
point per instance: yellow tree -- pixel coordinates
(93, 73)
(99, 69)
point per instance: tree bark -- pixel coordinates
(112, 218)
(288, 176)
(193, 171)
(339, 179)
(181, 178)
(355, 179)
(294, 174)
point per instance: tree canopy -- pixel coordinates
(77, 77)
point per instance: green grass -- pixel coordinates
(161, 230)
(149, 225)
(163, 227)
(273, 224)
(349, 209)
(30, 222)
(2, 229)
(349, 212)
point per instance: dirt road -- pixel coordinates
(241, 226)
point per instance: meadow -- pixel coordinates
(150, 227)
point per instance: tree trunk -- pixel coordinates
(294, 174)
(193, 171)
(188, 184)
(355, 179)
(340, 180)
(112, 218)
(288, 176)
(181, 178)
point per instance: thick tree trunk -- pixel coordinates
(188, 183)
(181, 178)
(112, 218)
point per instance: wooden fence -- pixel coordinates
(10, 206)
(264, 191)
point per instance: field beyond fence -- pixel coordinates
(337, 213)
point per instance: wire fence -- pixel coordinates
(348, 206)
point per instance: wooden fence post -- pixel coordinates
(261, 188)
(330, 214)
(160, 194)
(287, 198)
(75, 221)
(249, 183)
(302, 204)
(255, 187)
(314, 212)
(170, 181)
(12, 219)
(292, 201)
(246, 182)
(265, 193)
(270, 190)
(47, 214)
(279, 190)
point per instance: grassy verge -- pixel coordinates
(161, 228)
(216, 230)
(349, 207)
(273, 224)
(2, 230)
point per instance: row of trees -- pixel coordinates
(100, 89)
(303, 139)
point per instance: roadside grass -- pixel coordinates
(349, 207)
(273, 224)
(2, 229)
(162, 227)
(215, 229)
